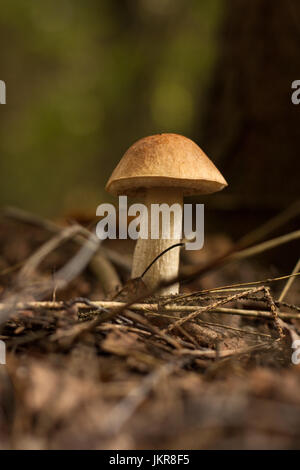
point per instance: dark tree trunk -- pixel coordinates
(251, 127)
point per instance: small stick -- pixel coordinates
(33, 219)
(261, 247)
(231, 288)
(106, 273)
(210, 307)
(154, 329)
(231, 255)
(274, 223)
(159, 255)
(211, 354)
(35, 259)
(275, 311)
(218, 325)
(142, 307)
(289, 281)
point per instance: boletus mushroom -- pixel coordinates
(162, 169)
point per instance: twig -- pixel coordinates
(65, 275)
(238, 330)
(230, 298)
(156, 331)
(256, 313)
(34, 260)
(274, 223)
(33, 219)
(213, 324)
(288, 305)
(289, 281)
(274, 310)
(106, 273)
(211, 354)
(160, 255)
(231, 255)
(268, 245)
(29, 218)
(103, 305)
(229, 288)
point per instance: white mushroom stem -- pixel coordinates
(167, 266)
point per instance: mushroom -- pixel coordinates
(161, 169)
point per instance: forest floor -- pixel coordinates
(208, 369)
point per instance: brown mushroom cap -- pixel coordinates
(165, 160)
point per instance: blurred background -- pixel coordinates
(86, 79)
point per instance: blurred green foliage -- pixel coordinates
(85, 79)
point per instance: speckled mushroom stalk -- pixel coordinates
(167, 266)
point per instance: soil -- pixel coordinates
(75, 379)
